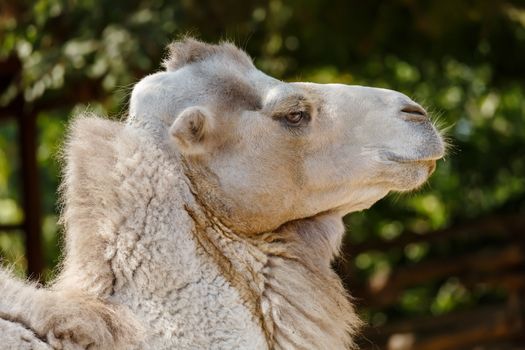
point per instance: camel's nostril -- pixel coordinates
(414, 113)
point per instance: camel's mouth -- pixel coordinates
(398, 158)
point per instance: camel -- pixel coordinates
(208, 219)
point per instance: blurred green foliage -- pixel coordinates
(463, 60)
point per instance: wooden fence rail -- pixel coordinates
(499, 267)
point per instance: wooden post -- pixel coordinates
(27, 135)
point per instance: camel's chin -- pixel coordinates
(412, 175)
(395, 177)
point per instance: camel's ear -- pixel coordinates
(192, 129)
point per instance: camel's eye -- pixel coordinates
(296, 118)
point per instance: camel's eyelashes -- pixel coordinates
(296, 118)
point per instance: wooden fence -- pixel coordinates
(495, 264)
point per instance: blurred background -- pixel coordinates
(440, 268)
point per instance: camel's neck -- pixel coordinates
(285, 278)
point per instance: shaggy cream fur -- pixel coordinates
(208, 220)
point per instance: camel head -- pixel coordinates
(261, 152)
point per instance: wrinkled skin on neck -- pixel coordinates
(284, 277)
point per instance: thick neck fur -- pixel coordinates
(284, 276)
(147, 202)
